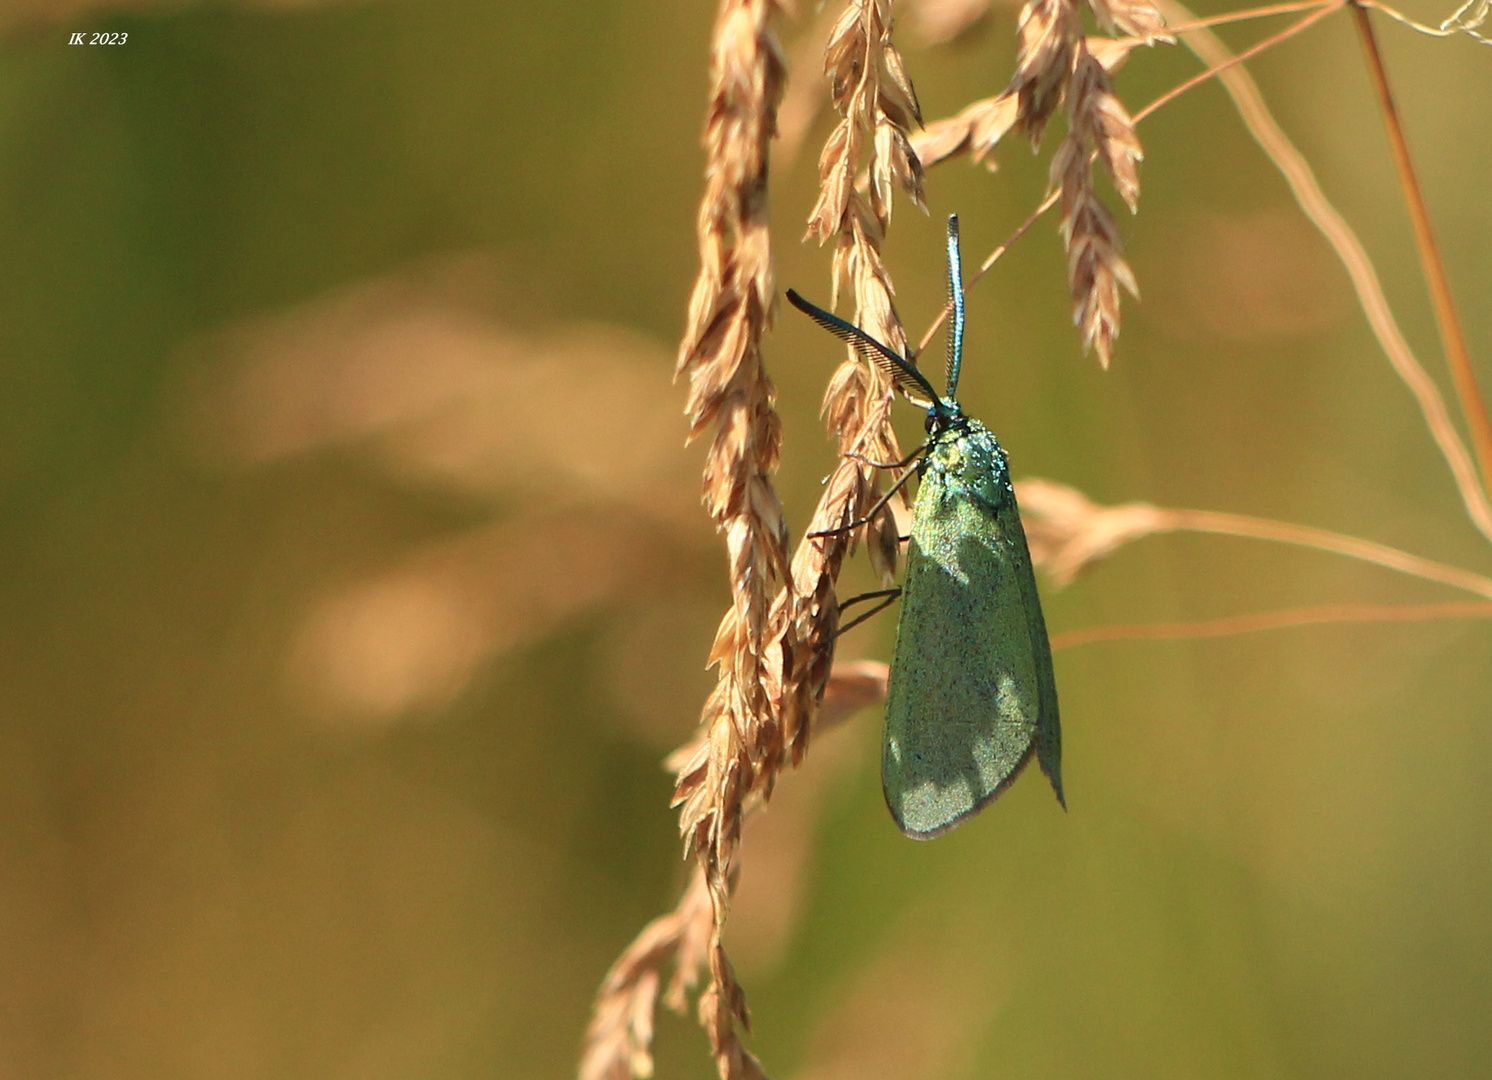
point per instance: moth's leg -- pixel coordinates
(887, 598)
(888, 464)
(862, 597)
(874, 510)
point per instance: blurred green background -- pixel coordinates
(355, 583)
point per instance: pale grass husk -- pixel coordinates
(1297, 172)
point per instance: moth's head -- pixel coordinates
(942, 414)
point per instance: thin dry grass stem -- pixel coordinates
(1458, 357)
(1230, 61)
(1207, 521)
(1267, 132)
(1068, 532)
(741, 746)
(1246, 15)
(868, 678)
(1276, 620)
(1225, 65)
(877, 107)
(1466, 19)
(993, 257)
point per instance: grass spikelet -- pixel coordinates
(1096, 268)
(1099, 115)
(1050, 33)
(1054, 63)
(1136, 18)
(877, 106)
(979, 127)
(975, 131)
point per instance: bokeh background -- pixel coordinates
(355, 584)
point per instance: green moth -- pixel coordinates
(972, 695)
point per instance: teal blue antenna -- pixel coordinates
(956, 301)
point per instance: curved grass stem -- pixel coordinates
(1211, 521)
(1458, 357)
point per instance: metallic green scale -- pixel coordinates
(972, 692)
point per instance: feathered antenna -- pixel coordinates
(956, 302)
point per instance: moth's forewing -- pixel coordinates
(971, 693)
(1048, 724)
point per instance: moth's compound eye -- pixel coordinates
(927, 425)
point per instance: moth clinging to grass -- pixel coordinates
(972, 695)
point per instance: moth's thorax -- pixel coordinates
(966, 452)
